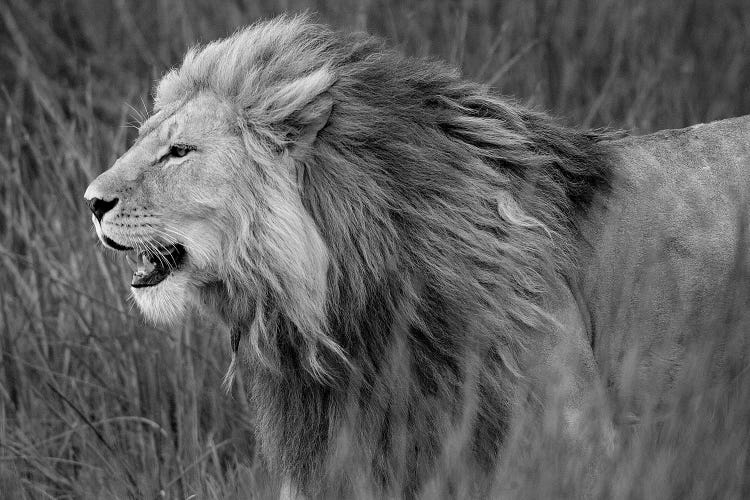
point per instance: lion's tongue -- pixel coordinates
(145, 272)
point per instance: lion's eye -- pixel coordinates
(179, 150)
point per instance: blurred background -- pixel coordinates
(94, 403)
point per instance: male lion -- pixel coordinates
(400, 254)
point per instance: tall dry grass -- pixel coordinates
(94, 403)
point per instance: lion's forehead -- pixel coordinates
(194, 117)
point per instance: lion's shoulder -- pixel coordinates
(677, 185)
(666, 236)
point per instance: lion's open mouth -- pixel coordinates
(151, 267)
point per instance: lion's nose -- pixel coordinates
(100, 207)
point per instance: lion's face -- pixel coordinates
(200, 205)
(160, 200)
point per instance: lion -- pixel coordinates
(399, 254)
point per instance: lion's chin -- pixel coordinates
(169, 301)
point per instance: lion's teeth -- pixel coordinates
(142, 265)
(133, 265)
(146, 266)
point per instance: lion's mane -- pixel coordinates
(447, 213)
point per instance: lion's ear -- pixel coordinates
(309, 121)
(297, 110)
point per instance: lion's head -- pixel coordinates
(209, 197)
(335, 201)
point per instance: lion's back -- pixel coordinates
(664, 242)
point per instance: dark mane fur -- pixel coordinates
(449, 214)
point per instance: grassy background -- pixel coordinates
(96, 404)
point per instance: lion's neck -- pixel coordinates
(412, 372)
